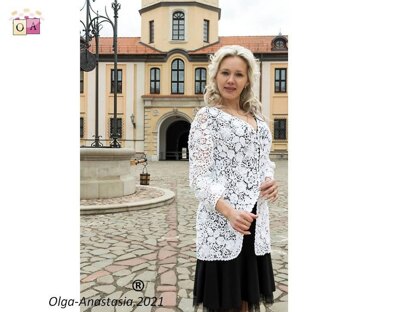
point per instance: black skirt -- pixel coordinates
(221, 286)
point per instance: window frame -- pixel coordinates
(119, 126)
(177, 81)
(278, 80)
(155, 83)
(82, 125)
(119, 81)
(206, 31)
(81, 78)
(280, 44)
(177, 22)
(279, 131)
(200, 82)
(151, 31)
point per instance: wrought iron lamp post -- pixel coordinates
(92, 26)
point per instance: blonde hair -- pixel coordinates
(248, 101)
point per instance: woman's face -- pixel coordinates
(231, 78)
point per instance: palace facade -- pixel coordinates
(162, 76)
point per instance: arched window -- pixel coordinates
(200, 80)
(178, 26)
(154, 80)
(178, 76)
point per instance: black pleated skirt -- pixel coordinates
(221, 286)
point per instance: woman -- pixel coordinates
(232, 176)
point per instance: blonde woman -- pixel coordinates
(232, 176)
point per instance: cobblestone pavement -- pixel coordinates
(157, 246)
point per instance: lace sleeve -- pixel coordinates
(270, 165)
(202, 178)
(270, 168)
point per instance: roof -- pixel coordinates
(133, 45)
(125, 45)
(256, 44)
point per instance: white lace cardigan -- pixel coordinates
(229, 158)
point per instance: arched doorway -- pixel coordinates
(177, 139)
(173, 138)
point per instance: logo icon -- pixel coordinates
(26, 23)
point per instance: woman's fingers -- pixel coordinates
(244, 232)
(269, 190)
(272, 196)
(243, 222)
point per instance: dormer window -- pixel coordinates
(279, 43)
(178, 26)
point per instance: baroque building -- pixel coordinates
(162, 76)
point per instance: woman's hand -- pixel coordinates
(268, 190)
(241, 220)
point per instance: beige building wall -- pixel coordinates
(194, 17)
(279, 105)
(139, 91)
(121, 102)
(265, 92)
(90, 97)
(129, 105)
(146, 3)
(102, 99)
(165, 75)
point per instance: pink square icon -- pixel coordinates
(33, 26)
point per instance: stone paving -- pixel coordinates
(157, 246)
(141, 193)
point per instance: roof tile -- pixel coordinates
(133, 45)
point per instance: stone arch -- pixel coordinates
(173, 131)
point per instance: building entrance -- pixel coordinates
(173, 144)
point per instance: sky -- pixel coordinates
(238, 17)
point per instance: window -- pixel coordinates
(206, 31)
(151, 31)
(178, 26)
(200, 80)
(280, 44)
(119, 127)
(178, 77)
(280, 129)
(280, 80)
(81, 80)
(82, 127)
(119, 81)
(154, 80)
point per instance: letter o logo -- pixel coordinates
(17, 27)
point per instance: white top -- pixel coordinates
(229, 158)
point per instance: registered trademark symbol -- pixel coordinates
(137, 285)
